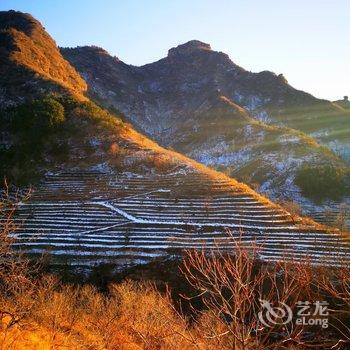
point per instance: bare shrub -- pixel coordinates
(15, 270)
(163, 329)
(232, 288)
(335, 283)
(114, 149)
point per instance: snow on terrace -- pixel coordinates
(82, 218)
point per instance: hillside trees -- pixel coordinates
(37, 119)
(322, 182)
(40, 133)
(32, 131)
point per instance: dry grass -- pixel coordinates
(34, 49)
(132, 316)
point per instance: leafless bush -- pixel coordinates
(335, 282)
(232, 289)
(15, 272)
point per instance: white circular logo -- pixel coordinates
(271, 316)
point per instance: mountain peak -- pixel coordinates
(20, 21)
(31, 62)
(89, 48)
(188, 48)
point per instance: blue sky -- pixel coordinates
(306, 40)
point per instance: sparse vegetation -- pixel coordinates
(342, 217)
(291, 207)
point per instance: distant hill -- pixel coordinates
(167, 90)
(254, 126)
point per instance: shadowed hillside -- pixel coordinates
(253, 126)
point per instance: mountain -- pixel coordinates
(254, 126)
(191, 74)
(102, 192)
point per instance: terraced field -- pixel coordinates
(83, 218)
(337, 215)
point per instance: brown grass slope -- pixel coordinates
(31, 62)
